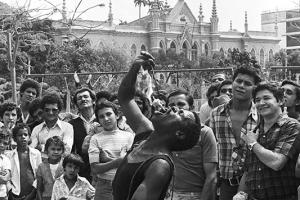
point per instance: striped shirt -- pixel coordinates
(112, 142)
(221, 124)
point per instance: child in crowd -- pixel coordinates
(70, 185)
(10, 114)
(24, 162)
(51, 168)
(5, 167)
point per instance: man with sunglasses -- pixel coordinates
(291, 98)
(51, 105)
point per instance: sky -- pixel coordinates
(125, 10)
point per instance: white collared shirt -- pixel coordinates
(78, 191)
(35, 159)
(41, 133)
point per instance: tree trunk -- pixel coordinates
(12, 68)
(140, 10)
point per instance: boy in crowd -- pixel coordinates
(70, 185)
(114, 142)
(5, 167)
(9, 113)
(24, 161)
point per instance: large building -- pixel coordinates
(286, 23)
(176, 29)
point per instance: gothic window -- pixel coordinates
(162, 46)
(173, 46)
(261, 57)
(143, 48)
(271, 56)
(229, 51)
(206, 49)
(222, 54)
(252, 53)
(185, 49)
(194, 52)
(133, 51)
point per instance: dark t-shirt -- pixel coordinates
(130, 175)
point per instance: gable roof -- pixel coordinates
(181, 9)
(173, 15)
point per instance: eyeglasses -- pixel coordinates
(224, 90)
(54, 110)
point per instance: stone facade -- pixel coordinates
(176, 29)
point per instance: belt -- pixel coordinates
(235, 181)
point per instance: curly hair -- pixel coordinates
(30, 83)
(52, 98)
(10, 106)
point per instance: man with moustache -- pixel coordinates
(228, 121)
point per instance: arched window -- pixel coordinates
(173, 47)
(194, 52)
(185, 49)
(222, 54)
(206, 49)
(143, 48)
(261, 57)
(271, 56)
(252, 53)
(133, 51)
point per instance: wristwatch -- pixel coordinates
(251, 145)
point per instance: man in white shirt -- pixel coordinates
(51, 105)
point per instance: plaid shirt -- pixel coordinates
(262, 181)
(221, 124)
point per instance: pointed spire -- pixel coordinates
(64, 11)
(230, 25)
(214, 9)
(110, 15)
(246, 25)
(200, 13)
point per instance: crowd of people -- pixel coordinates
(244, 143)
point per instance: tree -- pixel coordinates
(140, 3)
(77, 55)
